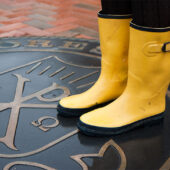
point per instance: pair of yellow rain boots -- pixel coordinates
(135, 71)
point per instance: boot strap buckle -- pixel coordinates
(166, 47)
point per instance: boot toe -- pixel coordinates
(64, 109)
(67, 107)
(70, 112)
(98, 129)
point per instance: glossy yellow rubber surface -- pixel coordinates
(114, 40)
(148, 80)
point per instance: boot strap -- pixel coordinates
(152, 48)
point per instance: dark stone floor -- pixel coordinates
(34, 74)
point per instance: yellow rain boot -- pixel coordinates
(114, 40)
(143, 100)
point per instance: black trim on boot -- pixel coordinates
(111, 16)
(149, 29)
(69, 112)
(102, 131)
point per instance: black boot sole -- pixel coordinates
(101, 131)
(68, 112)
